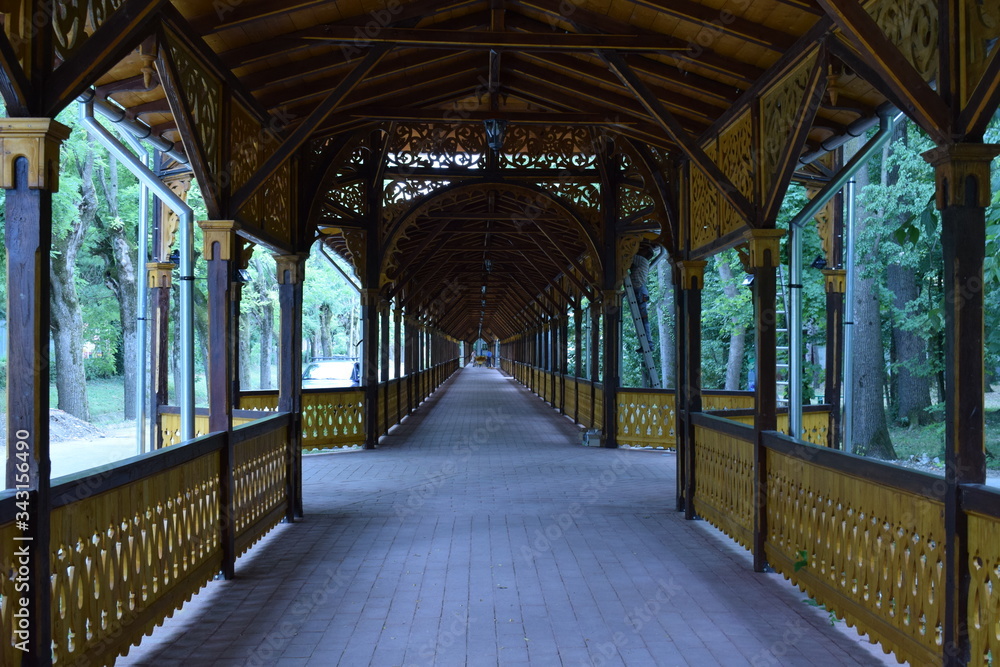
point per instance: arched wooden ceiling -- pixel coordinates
(535, 61)
(324, 71)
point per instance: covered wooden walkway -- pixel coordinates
(481, 533)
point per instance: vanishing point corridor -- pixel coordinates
(480, 532)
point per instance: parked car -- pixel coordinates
(331, 373)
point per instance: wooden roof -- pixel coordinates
(662, 75)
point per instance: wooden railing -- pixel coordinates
(864, 538)
(131, 542)
(815, 422)
(579, 398)
(170, 422)
(646, 418)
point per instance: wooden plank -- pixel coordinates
(14, 84)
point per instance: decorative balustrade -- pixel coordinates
(333, 418)
(982, 512)
(723, 463)
(129, 543)
(647, 418)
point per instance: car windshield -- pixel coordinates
(329, 370)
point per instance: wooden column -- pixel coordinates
(369, 363)
(680, 391)
(962, 175)
(29, 172)
(836, 284)
(291, 274)
(397, 349)
(764, 260)
(611, 306)
(219, 241)
(595, 358)
(384, 348)
(692, 281)
(160, 282)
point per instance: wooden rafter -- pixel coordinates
(679, 136)
(14, 84)
(920, 101)
(302, 133)
(121, 32)
(983, 102)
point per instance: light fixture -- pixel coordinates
(488, 265)
(819, 262)
(175, 257)
(242, 276)
(495, 131)
(748, 281)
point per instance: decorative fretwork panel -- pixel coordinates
(8, 567)
(203, 94)
(872, 554)
(333, 419)
(724, 483)
(72, 22)
(548, 147)
(146, 545)
(646, 419)
(436, 145)
(400, 193)
(737, 163)
(349, 197)
(704, 205)
(580, 195)
(984, 591)
(260, 478)
(912, 25)
(633, 201)
(779, 113)
(276, 205)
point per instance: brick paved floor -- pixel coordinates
(481, 533)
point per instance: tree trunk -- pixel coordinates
(325, 334)
(244, 369)
(913, 392)
(266, 342)
(871, 433)
(122, 281)
(67, 314)
(737, 340)
(664, 319)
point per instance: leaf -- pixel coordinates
(803, 560)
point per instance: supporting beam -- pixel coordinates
(692, 282)
(290, 271)
(29, 173)
(962, 174)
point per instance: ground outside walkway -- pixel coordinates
(481, 532)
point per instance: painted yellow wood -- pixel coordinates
(570, 406)
(710, 401)
(267, 402)
(260, 476)
(597, 419)
(646, 419)
(170, 427)
(334, 419)
(724, 483)
(586, 390)
(872, 554)
(125, 559)
(8, 573)
(984, 591)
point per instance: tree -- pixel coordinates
(871, 432)
(737, 332)
(74, 212)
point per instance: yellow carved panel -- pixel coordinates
(259, 486)
(332, 420)
(737, 163)
(872, 554)
(724, 483)
(646, 419)
(779, 113)
(117, 554)
(703, 206)
(912, 25)
(984, 590)
(203, 95)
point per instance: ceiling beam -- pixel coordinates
(484, 40)
(683, 140)
(302, 133)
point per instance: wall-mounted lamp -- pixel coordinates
(242, 276)
(175, 257)
(748, 281)
(495, 131)
(819, 262)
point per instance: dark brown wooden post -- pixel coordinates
(397, 351)
(219, 237)
(410, 362)
(369, 364)
(692, 281)
(384, 349)
(611, 305)
(836, 285)
(160, 282)
(291, 274)
(29, 172)
(577, 354)
(595, 358)
(680, 392)
(764, 260)
(962, 174)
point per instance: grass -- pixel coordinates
(105, 396)
(928, 440)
